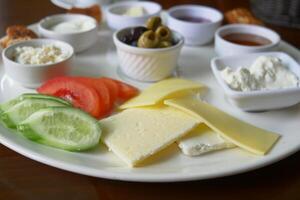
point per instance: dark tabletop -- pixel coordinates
(22, 178)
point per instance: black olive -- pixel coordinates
(126, 39)
(134, 43)
(137, 32)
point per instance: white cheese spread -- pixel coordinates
(266, 72)
(202, 140)
(73, 26)
(46, 54)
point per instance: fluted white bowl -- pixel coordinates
(147, 64)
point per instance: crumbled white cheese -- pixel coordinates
(267, 72)
(46, 54)
(202, 140)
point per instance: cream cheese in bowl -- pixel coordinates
(266, 72)
(259, 81)
(78, 30)
(73, 26)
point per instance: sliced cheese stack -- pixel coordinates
(165, 112)
(242, 134)
(137, 133)
(166, 89)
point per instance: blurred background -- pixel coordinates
(281, 15)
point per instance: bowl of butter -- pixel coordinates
(259, 81)
(131, 13)
(78, 30)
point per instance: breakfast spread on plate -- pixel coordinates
(77, 113)
(266, 72)
(16, 34)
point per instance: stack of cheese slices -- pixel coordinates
(169, 111)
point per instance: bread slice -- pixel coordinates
(17, 33)
(242, 16)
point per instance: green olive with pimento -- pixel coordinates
(153, 35)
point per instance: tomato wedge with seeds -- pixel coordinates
(79, 94)
(103, 92)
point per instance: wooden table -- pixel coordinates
(22, 178)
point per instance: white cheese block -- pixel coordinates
(138, 133)
(202, 140)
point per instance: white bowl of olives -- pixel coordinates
(148, 53)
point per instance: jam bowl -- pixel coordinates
(196, 23)
(241, 38)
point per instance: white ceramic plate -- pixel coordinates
(170, 164)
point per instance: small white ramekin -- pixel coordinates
(148, 65)
(116, 20)
(80, 40)
(194, 33)
(32, 76)
(259, 100)
(226, 48)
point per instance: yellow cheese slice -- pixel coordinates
(156, 93)
(242, 134)
(138, 133)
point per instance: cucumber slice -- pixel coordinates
(25, 108)
(7, 105)
(62, 127)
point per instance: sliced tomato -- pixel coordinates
(112, 88)
(79, 94)
(126, 91)
(103, 92)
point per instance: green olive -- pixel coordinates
(163, 33)
(148, 40)
(164, 44)
(153, 23)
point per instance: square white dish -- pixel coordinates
(259, 100)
